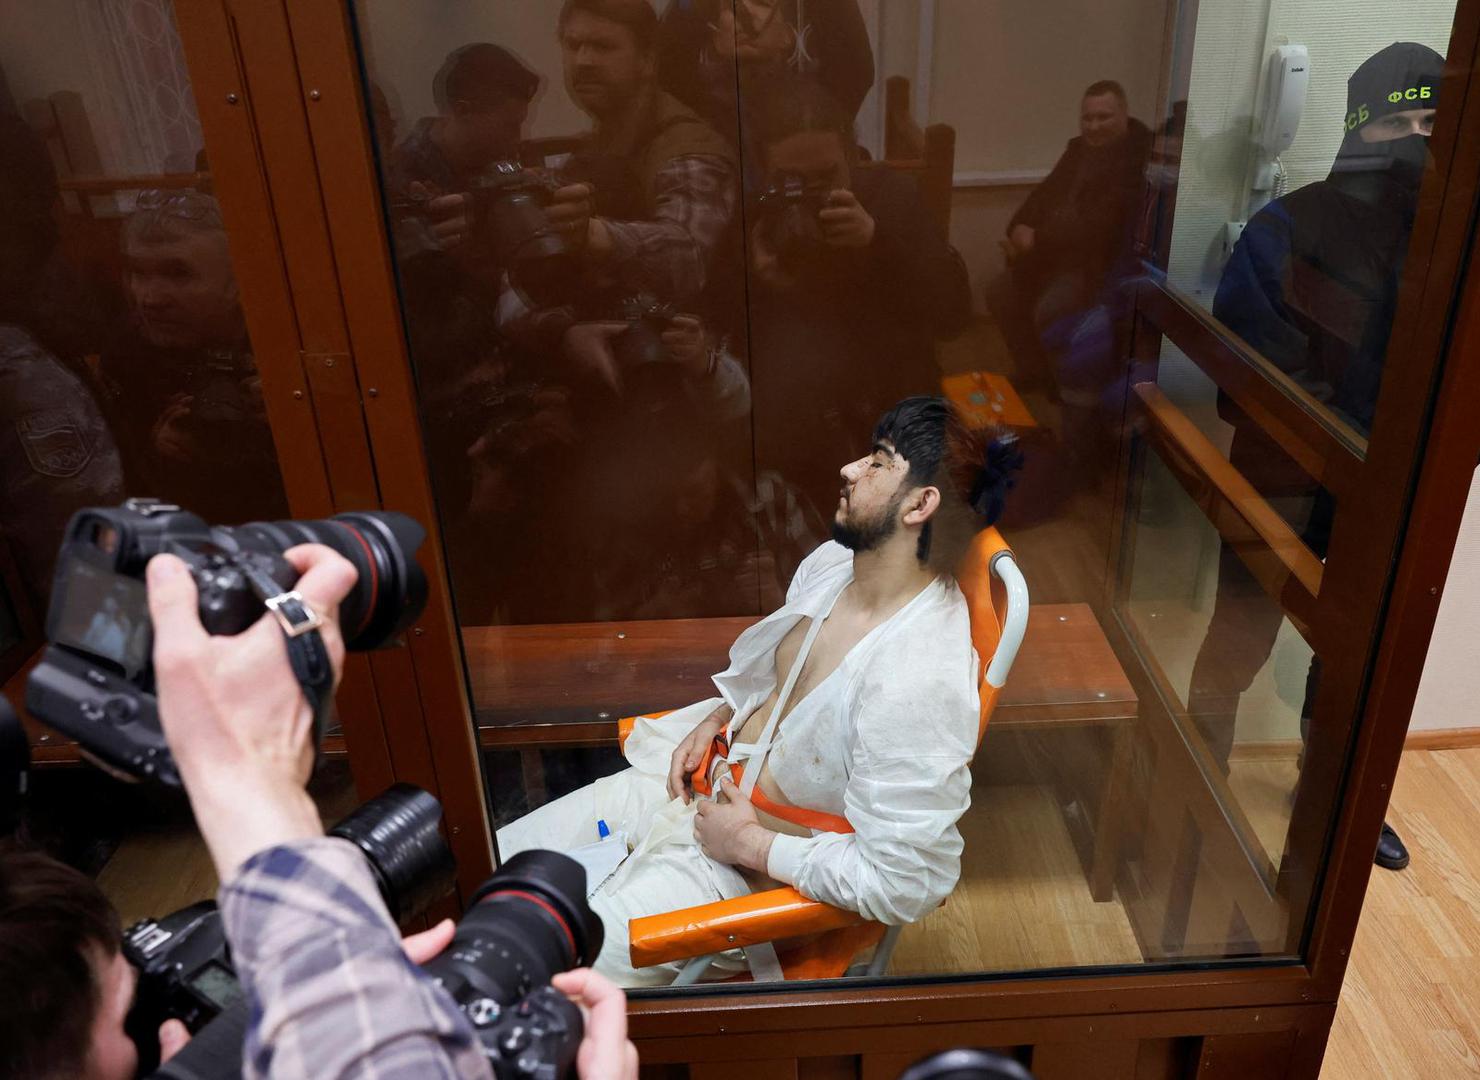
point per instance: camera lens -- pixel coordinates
(529, 921)
(391, 591)
(398, 832)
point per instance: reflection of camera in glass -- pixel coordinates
(509, 213)
(641, 344)
(183, 960)
(95, 682)
(788, 219)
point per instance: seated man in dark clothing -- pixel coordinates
(851, 284)
(716, 54)
(1312, 285)
(181, 381)
(1066, 247)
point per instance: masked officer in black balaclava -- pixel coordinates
(1312, 285)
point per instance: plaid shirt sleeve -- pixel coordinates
(330, 991)
(694, 200)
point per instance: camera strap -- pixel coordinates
(307, 653)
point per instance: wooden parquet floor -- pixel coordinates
(1410, 1007)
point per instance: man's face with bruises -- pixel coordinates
(605, 68)
(111, 1054)
(183, 289)
(1103, 119)
(874, 486)
(487, 131)
(819, 158)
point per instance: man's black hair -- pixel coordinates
(973, 468)
(55, 927)
(1107, 86)
(482, 73)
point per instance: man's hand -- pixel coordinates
(845, 223)
(233, 713)
(1021, 238)
(605, 1052)
(571, 209)
(730, 832)
(688, 754)
(765, 263)
(687, 343)
(588, 348)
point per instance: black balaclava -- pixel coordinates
(1403, 76)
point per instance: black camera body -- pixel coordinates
(789, 218)
(95, 682)
(184, 961)
(641, 344)
(184, 967)
(508, 203)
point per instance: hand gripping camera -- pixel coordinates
(95, 682)
(529, 921)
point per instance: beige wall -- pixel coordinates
(405, 42)
(1449, 695)
(1009, 74)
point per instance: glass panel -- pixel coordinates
(662, 270)
(1303, 145)
(126, 369)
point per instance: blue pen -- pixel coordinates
(602, 832)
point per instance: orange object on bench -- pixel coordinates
(835, 935)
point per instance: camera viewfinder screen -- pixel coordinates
(217, 985)
(104, 614)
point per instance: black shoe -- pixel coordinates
(1391, 854)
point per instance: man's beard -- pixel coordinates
(862, 536)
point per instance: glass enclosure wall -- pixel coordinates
(126, 369)
(664, 268)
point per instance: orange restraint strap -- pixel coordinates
(796, 815)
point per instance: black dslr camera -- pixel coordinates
(508, 203)
(641, 344)
(95, 682)
(528, 922)
(788, 218)
(184, 962)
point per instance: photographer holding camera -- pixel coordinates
(331, 990)
(314, 947)
(851, 285)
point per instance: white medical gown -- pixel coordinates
(885, 741)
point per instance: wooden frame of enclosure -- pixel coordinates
(278, 87)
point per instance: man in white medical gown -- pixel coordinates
(858, 699)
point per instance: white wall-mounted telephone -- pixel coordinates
(1286, 79)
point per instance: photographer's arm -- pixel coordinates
(332, 993)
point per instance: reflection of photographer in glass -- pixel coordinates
(183, 382)
(855, 799)
(1312, 285)
(851, 284)
(661, 233)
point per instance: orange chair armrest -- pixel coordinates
(728, 924)
(627, 723)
